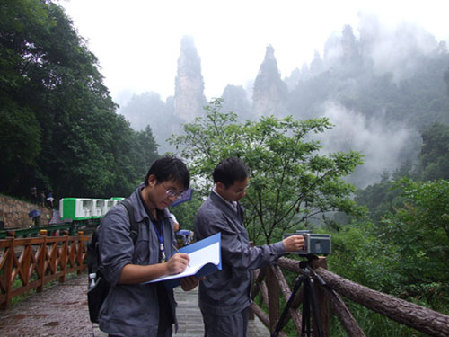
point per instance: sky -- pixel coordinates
(137, 42)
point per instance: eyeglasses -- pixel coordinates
(171, 193)
(174, 194)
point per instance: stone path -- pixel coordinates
(190, 320)
(61, 310)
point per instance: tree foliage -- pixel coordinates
(404, 252)
(58, 124)
(433, 158)
(290, 181)
(421, 229)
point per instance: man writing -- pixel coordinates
(224, 297)
(132, 307)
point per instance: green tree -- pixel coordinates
(76, 114)
(19, 140)
(434, 159)
(360, 254)
(420, 231)
(379, 198)
(147, 151)
(58, 124)
(290, 181)
(20, 133)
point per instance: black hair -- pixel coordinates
(229, 171)
(169, 168)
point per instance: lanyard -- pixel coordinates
(160, 236)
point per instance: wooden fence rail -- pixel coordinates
(30, 263)
(328, 288)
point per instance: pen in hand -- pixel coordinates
(177, 251)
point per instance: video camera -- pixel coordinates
(314, 244)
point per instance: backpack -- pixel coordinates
(98, 287)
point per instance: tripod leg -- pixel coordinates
(306, 331)
(315, 308)
(281, 321)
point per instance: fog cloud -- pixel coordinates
(391, 48)
(382, 145)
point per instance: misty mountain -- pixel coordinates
(148, 109)
(236, 100)
(398, 76)
(269, 91)
(166, 118)
(189, 98)
(381, 88)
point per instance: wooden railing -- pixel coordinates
(71, 228)
(30, 263)
(329, 289)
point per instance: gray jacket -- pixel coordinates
(227, 292)
(131, 309)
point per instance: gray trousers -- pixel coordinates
(226, 326)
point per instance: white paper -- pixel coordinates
(197, 260)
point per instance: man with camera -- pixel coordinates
(224, 296)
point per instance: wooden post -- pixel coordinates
(9, 262)
(253, 287)
(273, 298)
(63, 257)
(42, 260)
(80, 253)
(323, 301)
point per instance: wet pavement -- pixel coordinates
(190, 320)
(61, 310)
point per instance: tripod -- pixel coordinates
(309, 302)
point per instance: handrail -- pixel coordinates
(33, 262)
(329, 287)
(71, 227)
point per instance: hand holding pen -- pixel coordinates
(178, 263)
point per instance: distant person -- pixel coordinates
(224, 296)
(133, 308)
(35, 215)
(34, 198)
(42, 199)
(36, 221)
(50, 199)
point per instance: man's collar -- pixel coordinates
(233, 204)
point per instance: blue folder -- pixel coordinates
(207, 268)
